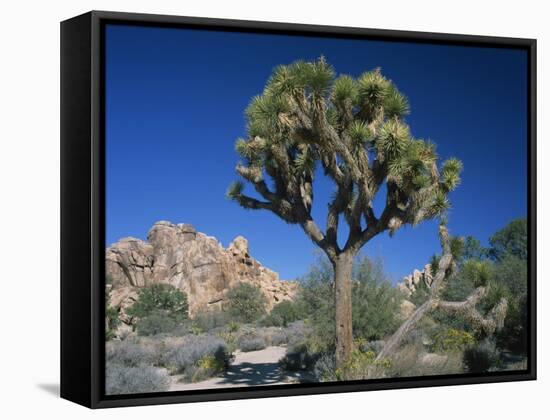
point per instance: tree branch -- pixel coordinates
(491, 322)
(467, 308)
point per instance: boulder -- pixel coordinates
(412, 282)
(417, 277)
(406, 309)
(191, 261)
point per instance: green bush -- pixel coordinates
(210, 320)
(452, 340)
(513, 336)
(375, 303)
(510, 240)
(317, 298)
(112, 320)
(156, 323)
(284, 313)
(420, 295)
(160, 298)
(208, 366)
(160, 308)
(245, 303)
(511, 272)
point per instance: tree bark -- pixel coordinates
(343, 265)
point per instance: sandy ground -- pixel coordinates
(248, 369)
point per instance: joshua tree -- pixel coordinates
(354, 130)
(487, 323)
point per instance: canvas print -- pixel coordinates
(286, 209)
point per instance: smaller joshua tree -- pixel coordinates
(354, 129)
(487, 323)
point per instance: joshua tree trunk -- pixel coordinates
(343, 265)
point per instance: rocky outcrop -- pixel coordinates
(406, 308)
(191, 261)
(411, 282)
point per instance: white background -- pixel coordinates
(29, 209)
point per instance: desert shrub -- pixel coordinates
(513, 335)
(185, 356)
(251, 343)
(375, 303)
(410, 360)
(162, 299)
(505, 276)
(361, 364)
(209, 320)
(316, 296)
(420, 295)
(207, 367)
(374, 346)
(245, 303)
(297, 332)
(511, 276)
(229, 334)
(133, 380)
(131, 352)
(284, 313)
(299, 357)
(112, 320)
(452, 340)
(481, 357)
(405, 360)
(324, 369)
(155, 323)
(279, 338)
(270, 335)
(511, 272)
(160, 308)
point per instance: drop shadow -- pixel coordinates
(52, 389)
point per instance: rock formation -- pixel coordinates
(191, 261)
(411, 282)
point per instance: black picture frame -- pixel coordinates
(83, 209)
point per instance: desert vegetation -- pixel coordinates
(166, 342)
(347, 320)
(477, 325)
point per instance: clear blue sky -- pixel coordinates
(174, 108)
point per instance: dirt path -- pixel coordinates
(248, 369)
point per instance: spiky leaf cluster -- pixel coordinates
(354, 128)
